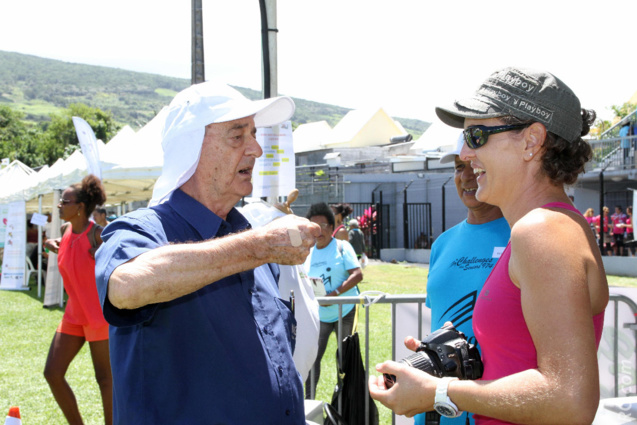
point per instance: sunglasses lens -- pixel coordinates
(474, 137)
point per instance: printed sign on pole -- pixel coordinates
(274, 172)
(13, 259)
(4, 214)
(88, 143)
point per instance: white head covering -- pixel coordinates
(191, 111)
(451, 156)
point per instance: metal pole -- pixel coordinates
(198, 68)
(405, 225)
(269, 47)
(39, 250)
(380, 227)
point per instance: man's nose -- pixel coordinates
(254, 148)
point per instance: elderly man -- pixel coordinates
(199, 334)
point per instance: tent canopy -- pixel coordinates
(131, 163)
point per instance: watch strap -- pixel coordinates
(443, 400)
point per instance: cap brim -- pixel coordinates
(451, 156)
(448, 157)
(474, 108)
(266, 112)
(274, 111)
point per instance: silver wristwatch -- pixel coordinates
(442, 402)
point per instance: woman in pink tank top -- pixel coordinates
(540, 314)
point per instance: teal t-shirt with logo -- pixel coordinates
(332, 264)
(461, 260)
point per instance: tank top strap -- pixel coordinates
(562, 205)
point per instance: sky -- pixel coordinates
(406, 56)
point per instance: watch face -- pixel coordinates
(445, 410)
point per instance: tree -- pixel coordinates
(18, 139)
(624, 110)
(621, 112)
(60, 139)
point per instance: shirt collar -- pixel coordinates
(207, 223)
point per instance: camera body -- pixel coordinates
(444, 352)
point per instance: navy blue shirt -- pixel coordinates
(221, 355)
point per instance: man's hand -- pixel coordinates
(287, 240)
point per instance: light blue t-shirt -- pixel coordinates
(461, 260)
(332, 264)
(625, 143)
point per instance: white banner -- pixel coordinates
(4, 212)
(274, 172)
(54, 291)
(88, 143)
(14, 255)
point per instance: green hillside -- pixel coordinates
(39, 86)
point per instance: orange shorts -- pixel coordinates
(89, 334)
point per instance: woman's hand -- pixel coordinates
(412, 393)
(53, 245)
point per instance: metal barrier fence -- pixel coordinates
(613, 305)
(616, 153)
(367, 299)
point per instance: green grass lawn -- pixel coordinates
(26, 331)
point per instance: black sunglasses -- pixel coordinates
(476, 136)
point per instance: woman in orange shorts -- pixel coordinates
(83, 319)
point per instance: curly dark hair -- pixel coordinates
(343, 209)
(90, 192)
(563, 161)
(323, 209)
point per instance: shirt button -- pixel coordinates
(287, 412)
(250, 291)
(280, 370)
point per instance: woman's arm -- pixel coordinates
(342, 234)
(53, 245)
(354, 278)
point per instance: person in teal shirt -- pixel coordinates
(334, 261)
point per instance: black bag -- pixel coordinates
(353, 386)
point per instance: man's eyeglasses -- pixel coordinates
(66, 201)
(323, 225)
(476, 136)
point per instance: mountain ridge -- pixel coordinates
(40, 86)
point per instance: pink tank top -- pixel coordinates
(498, 318)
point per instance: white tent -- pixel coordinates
(14, 182)
(438, 137)
(131, 163)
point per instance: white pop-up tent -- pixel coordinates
(438, 137)
(131, 163)
(14, 180)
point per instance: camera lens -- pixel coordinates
(422, 361)
(419, 360)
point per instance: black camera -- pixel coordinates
(445, 352)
